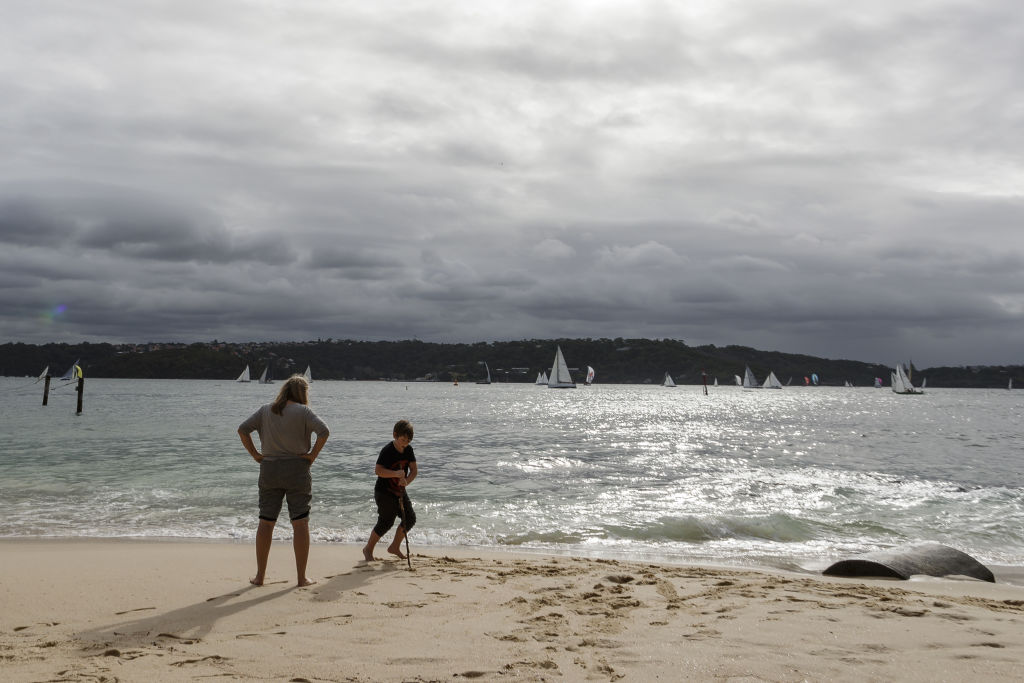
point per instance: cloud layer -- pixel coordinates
(844, 182)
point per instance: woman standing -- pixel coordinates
(285, 457)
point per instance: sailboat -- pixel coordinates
(901, 382)
(590, 376)
(716, 382)
(739, 382)
(560, 377)
(244, 377)
(542, 378)
(771, 382)
(263, 378)
(668, 381)
(46, 371)
(308, 374)
(1010, 385)
(878, 383)
(488, 380)
(73, 373)
(749, 381)
(847, 383)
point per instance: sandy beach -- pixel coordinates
(99, 610)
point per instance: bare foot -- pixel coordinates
(396, 551)
(256, 580)
(306, 582)
(368, 555)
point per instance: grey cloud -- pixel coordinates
(23, 221)
(843, 183)
(645, 43)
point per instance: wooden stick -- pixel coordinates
(401, 506)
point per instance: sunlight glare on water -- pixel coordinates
(783, 477)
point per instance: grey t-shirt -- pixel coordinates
(285, 435)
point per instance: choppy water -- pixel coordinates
(794, 478)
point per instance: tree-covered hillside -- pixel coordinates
(616, 361)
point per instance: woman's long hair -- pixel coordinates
(295, 388)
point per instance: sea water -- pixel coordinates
(794, 478)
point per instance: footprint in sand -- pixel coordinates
(210, 658)
(403, 604)
(137, 609)
(620, 578)
(182, 639)
(341, 619)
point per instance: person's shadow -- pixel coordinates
(194, 622)
(190, 623)
(360, 575)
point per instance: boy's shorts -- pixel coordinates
(282, 478)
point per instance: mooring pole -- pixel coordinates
(81, 390)
(46, 390)
(704, 374)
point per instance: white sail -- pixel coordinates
(716, 382)
(244, 377)
(668, 382)
(739, 382)
(772, 382)
(308, 374)
(542, 378)
(749, 381)
(590, 376)
(46, 371)
(901, 382)
(74, 372)
(560, 377)
(1010, 385)
(263, 378)
(488, 380)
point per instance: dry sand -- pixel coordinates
(156, 611)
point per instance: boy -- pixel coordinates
(395, 469)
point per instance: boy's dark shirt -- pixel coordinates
(391, 459)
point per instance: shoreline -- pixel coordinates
(146, 609)
(1008, 575)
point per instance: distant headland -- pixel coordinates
(616, 361)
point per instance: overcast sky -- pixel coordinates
(838, 179)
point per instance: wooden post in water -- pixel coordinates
(704, 374)
(81, 391)
(46, 390)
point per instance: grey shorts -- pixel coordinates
(282, 478)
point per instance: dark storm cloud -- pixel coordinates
(843, 182)
(25, 222)
(129, 227)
